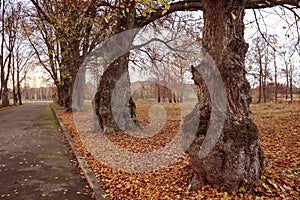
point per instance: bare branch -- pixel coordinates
(259, 4)
(194, 5)
(158, 40)
(190, 5)
(41, 11)
(262, 34)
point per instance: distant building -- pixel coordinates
(155, 91)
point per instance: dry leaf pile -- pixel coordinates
(280, 140)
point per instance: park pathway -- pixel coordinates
(34, 159)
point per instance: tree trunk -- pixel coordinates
(158, 93)
(236, 159)
(115, 109)
(287, 80)
(78, 96)
(291, 83)
(19, 95)
(276, 86)
(260, 75)
(5, 96)
(265, 83)
(15, 96)
(66, 95)
(265, 77)
(181, 85)
(19, 92)
(2, 49)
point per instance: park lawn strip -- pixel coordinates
(280, 139)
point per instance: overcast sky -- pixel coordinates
(271, 21)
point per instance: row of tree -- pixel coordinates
(273, 62)
(63, 33)
(14, 52)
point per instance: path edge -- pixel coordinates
(88, 173)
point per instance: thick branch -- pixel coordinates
(155, 40)
(190, 5)
(257, 4)
(261, 33)
(193, 5)
(41, 11)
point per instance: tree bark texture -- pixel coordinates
(236, 159)
(114, 108)
(19, 89)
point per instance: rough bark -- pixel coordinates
(2, 50)
(67, 95)
(113, 105)
(72, 62)
(236, 159)
(5, 96)
(114, 108)
(59, 97)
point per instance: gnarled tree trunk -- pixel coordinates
(114, 107)
(5, 96)
(236, 159)
(74, 81)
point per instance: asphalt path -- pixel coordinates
(34, 159)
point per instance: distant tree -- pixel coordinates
(23, 57)
(259, 58)
(275, 77)
(275, 47)
(11, 16)
(2, 73)
(291, 76)
(72, 24)
(286, 71)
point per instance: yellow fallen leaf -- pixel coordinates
(233, 16)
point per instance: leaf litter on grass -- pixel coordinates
(279, 126)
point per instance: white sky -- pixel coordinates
(271, 21)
